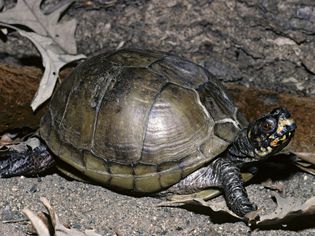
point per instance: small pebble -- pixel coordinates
(33, 189)
(14, 188)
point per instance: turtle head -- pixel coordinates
(271, 133)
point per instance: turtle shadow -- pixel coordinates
(276, 168)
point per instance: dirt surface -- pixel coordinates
(84, 206)
(267, 44)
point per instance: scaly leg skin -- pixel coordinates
(28, 160)
(232, 185)
(199, 180)
(221, 173)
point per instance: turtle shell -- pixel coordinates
(139, 120)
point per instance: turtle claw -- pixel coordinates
(243, 208)
(249, 208)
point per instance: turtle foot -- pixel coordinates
(27, 158)
(243, 208)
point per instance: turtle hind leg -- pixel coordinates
(28, 158)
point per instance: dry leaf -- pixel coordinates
(53, 60)
(306, 167)
(28, 13)
(305, 161)
(58, 228)
(306, 156)
(37, 223)
(213, 207)
(55, 41)
(287, 209)
(273, 185)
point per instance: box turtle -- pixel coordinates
(145, 121)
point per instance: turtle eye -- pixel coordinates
(268, 125)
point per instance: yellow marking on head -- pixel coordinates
(274, 143)
(284, 122)
(281, 124)
(284, 137)
(259, 139)
(262, 152)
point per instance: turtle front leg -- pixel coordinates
(228, 174)
(222, 173)
(29, 158)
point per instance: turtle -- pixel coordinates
(146, 121)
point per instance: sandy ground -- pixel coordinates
(85, 206)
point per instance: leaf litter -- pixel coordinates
(28, 13)
(49, 224)
(53, 39)
(269, 184)
(305, 161)
(287, 210)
